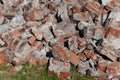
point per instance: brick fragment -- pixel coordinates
(32, 40)
(61, 53)
(102, 65)
(110, 54)
(113, 67)
(83, 66)
(37, 33)
(99, 32)
(59, 68)
(35, 15)
(74, 59)
(93, 7)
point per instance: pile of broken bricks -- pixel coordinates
(61, 33)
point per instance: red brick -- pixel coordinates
(15, 43)
(62, 69)
(64, 75)
(36, 61)
(113, 32)
(76, 9)
(74, 58)
(93, 7)
(60, 51)
(111, 5)
(102, 65)
(111, 55)
(35, 15)
(113, 67)
(14, 33)
(1, 13)
(32, 40)
(81, 42)
(91, 54)
(3, 61)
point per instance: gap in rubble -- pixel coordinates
(1, 2)
(100, 1)
(66, 44)
(49, 54)
(106, 20)
(99, 42)
(9, 17)
(81, 33)
(58, 18)
(51, 29)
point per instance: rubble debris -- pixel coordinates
(62, 69)
(61, 33)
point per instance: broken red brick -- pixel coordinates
(113, 33)
(81, 43)
(39, 45)
(102, 65)
(14, 33)
(111, 55)
(61, 53)
(64, 75)
(93, 7)
(15, 43)
(1, 13)
(62, 69)
(91, 54)
(113, 67)
(74, 58)
(32, 40)
(35, 15)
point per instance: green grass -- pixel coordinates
(37, 73)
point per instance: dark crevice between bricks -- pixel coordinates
(49, 54)
(99, 42)
(106, 20)
(103, 56)
(58, 18)
(1, 2)
(51, 29)
(66, 44)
